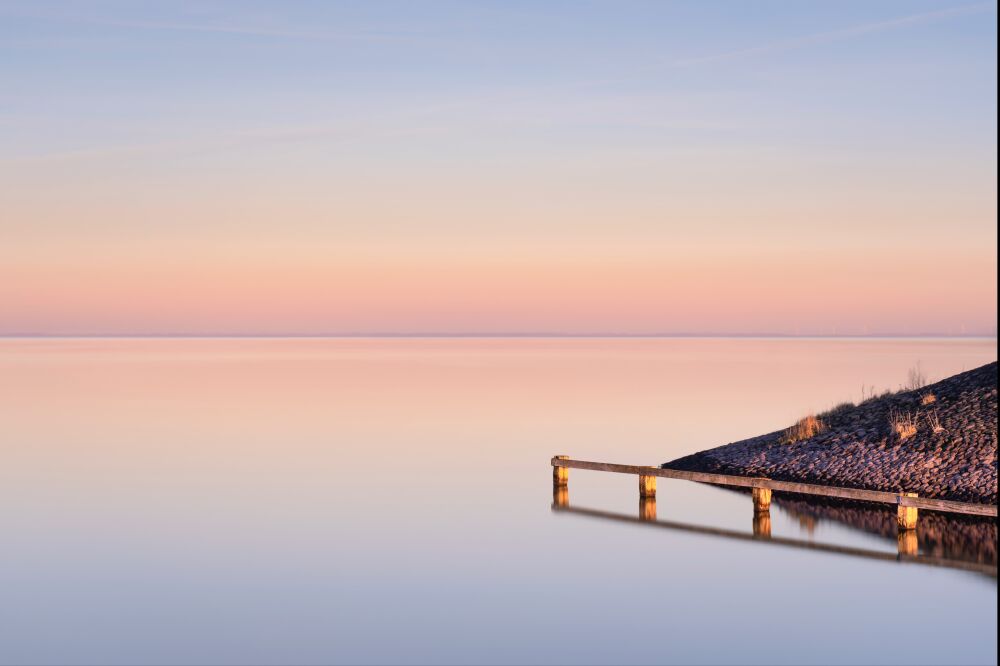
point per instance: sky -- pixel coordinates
(584, 168)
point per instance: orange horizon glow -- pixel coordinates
(685, 176)
(309, 292)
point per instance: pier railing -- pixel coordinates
(907, 504)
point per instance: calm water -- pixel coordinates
(373, 501)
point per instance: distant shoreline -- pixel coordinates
(486, 336)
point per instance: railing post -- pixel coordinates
(560, 475)
(906, 516)
(647, 486)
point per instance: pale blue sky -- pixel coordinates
(125, 72)
(587, 129)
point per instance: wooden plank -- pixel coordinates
(784, 486)
(730, 480)
(949, 506)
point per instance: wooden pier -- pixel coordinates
(907, 504)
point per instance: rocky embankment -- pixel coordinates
(939, 441)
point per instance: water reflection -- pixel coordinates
(647, 508)
(979, 554)
(205, 502)
(906, 542)
(762, 524)
(938, 535)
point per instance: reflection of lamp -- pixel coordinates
(560, 496)
(647, 508)
(762, 524)
(906, 542)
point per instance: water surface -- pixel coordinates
(381, 501)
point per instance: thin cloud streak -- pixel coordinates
(794, 43)
(838, 35)
(363, 128)
(252, 31)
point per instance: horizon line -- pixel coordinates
(528, 335)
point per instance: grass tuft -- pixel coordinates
(916, 379)
(805, 428)
(934, 421)
(836, 410)
(902, 423)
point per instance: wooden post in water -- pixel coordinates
(560, 475)
(761, 512)
(647, 508)
(560, 496)
(761, 500)
(762, 524)
(647, 486)
(906, 542)
(906, 516)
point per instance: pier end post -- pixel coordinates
(647, 487)
(560, 475)
(906, 516)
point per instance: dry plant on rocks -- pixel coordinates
(805, 428)
(916, 379)
(902, 423)
(934, 421)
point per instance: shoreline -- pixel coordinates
(938, 440)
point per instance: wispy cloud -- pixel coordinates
(791, 43)
(818, 38)
(392, 123)
(218, 27)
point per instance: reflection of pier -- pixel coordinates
(906, 543)
(938, 534)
